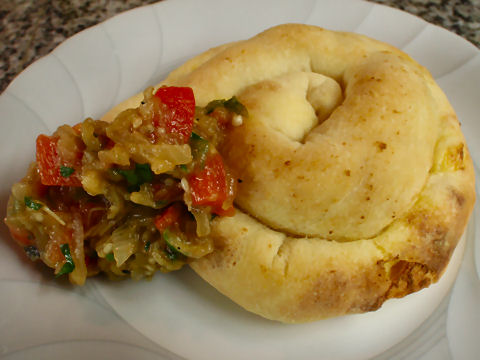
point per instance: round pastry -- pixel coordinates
(355, 182)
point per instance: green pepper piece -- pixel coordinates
(231, 104)
(200, 148)
(172, 253)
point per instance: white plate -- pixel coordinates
(178, 314)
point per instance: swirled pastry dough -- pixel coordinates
(356, 182)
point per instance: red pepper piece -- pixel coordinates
(49, 164)
(209, 186)
(168, 217)
(178, 121)
(91, 261)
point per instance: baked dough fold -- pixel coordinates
(356, 182)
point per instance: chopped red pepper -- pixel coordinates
(91, 260)
(168, 217)
(49, 164)
(178, 122)
(209, 186)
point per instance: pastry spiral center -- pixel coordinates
(317, 163)
(294, 103)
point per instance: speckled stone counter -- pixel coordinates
(31, 29)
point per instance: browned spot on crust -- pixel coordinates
(426, 226)
(460, 151)
(433, 240)
(407, 277)
(459, 198)
(347, 172)
(380, 145)
(287, 163)
(454, 158)
(355, 294)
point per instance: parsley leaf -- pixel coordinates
(147, 246)
(69, 265)
(110, 257)
(32, 204)
(66, 171)
(142, 173)
(195, 136)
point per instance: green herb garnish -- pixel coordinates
(110, 257)
(183, 167)
(144, 172)
(69, 265)
(172, 253)
(130, 176)
(195, 136)
(32, 204)
(147, 246)
(141, 174)
(231, 104)
(66, 171)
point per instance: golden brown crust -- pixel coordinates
(356, 180)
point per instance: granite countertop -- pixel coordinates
(31, 29)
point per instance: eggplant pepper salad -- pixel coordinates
(129, 197)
